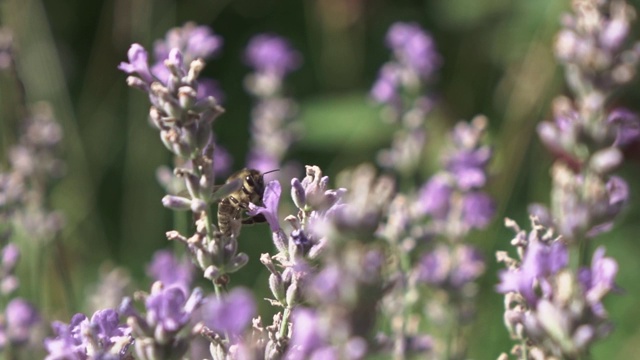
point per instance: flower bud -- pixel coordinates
(606, 160)
(297, 194)
(174, 202)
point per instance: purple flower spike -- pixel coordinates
(270, 199)
(386, 88)
(108, 330)
(598, 280)
(102, 337)
(169, 271)
(138, 63)
(434, 266)
(22, 316)
(10, 257)
(628, 126)
(415, 47)
(470, 265)
(68, 341)
(169, 309)
(540, 261)
(306, 333)
(271, 54)
(478, 209)
(232, 314)
(434, 197)
(191, 40)
(468, 166)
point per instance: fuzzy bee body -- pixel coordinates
(232, 207)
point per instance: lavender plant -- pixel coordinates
(185, 123)
(401, 87)
(554, 307)
(378, 265)
(432, 280)
(272, 132)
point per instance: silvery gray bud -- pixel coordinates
(211, 272)
(137, 83)
(186, 97)
(198, 206)
(297, 194)
(195, 68)
(606, 160)
(280, 241)
(292, 295)
(277, 288)
(174, 202)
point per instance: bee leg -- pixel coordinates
(254, 220)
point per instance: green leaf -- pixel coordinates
(348, 121)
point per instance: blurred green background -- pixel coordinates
(497, 61)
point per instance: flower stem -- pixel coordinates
(285, 322)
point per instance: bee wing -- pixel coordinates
(227, 189)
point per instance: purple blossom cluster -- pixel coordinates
(427, 227)
(587, 136)
(101, 337)
(554, 310)
(553, 307)
(378, 265)
(162, 331)
(185, 120)
(453, 198)
(401, 87)
(271, 58)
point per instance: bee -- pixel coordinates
(232, 207)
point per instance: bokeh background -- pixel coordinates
(497, 61)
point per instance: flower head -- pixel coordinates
(167, 269)
(598, 280)
(231, 314)
(271, 198)
(478, 209)
(138, 63)
(168, 308)
(102, 337)
(414, 47)
(22, 317)
(271, 54)
(193, 41)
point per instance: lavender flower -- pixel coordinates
(21, 319)
(101, 337)
(167, 269)
(160, 333)
(10, 256)
(454, 268)
(272, 129)
(401, 82)
(271, 54)
(231, 314)
(551, 309)
(453, 197)
(414, 48)
(193, 41)
(270, 199)
(138, 64)
(185, 124)
(598, 280)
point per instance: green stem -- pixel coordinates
(285, 322)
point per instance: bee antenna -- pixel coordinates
(270, 171)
